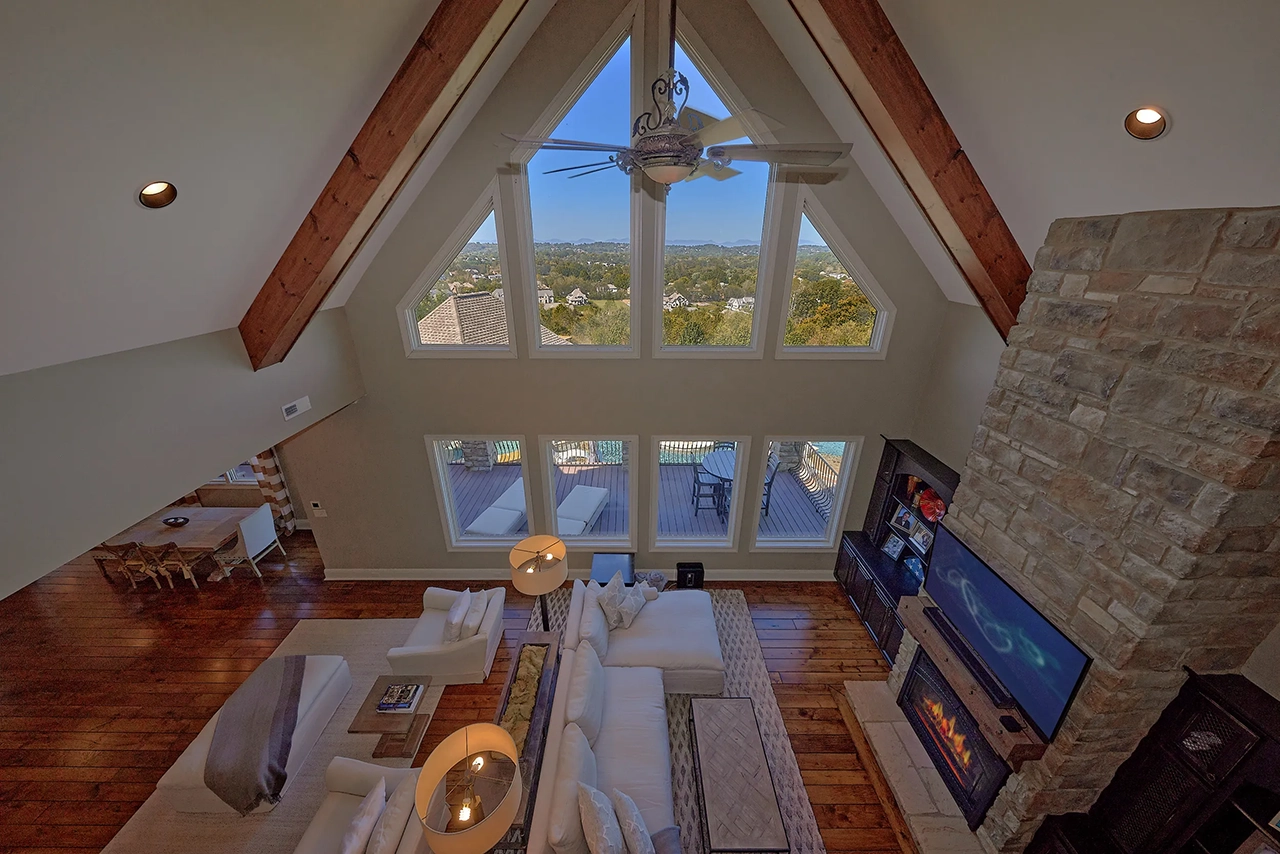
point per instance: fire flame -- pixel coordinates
(946, 728)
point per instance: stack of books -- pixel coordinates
(400, 699)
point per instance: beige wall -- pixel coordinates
(1263, 667)
(964, 369)
(90, 447)
(368, 464)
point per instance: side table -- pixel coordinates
(401, 734)
(604, 566)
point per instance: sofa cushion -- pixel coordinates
(595, 630)
(634, 831)
(475, 614)
(577, 764)
(513, 498)
(457, 613)
(632, 753)
(599, 823)
(496, 522)
(386, 835)
(356, 839)
(573, 627)
(585, 704)
(676, 631)
(428, 631)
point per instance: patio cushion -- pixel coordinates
(580, 509)
(513, 498)
(496, 522)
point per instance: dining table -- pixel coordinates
(721, 463)
(208, 529)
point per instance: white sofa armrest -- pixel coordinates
(353, 777)
(438, 599)
(441, 659)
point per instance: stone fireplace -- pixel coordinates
(1124, 478)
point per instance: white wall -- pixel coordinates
(1263, 667)
(92, 446)
(963, 374)
(368, 464)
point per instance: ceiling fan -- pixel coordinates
(674, 142)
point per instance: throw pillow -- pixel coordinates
(577, 764)
(610, 599)
(632, 601)
(356, 839)
(453, 622)
(585, 705)
(650, 592)
(595, 630)
(385, 838)
(634, 832)
(475, 614)
(599, 823)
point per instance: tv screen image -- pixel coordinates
(1038, 664)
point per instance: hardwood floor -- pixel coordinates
(102, 687)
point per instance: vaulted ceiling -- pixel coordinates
(248, 107)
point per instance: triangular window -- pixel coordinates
(714, 230)
(833, 305)
(581, 217)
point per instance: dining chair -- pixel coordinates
(133, 565)
(257, 537)
(168, 558)
(771, 470)
(725, 446)
(706, 486)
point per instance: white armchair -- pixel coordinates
(426, 653)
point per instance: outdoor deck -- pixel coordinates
(791, 513)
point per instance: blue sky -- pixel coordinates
(598, 207)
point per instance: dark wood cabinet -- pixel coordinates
(874, 580)
(1205, 779)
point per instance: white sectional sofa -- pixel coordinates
(675, 633)
(347, 782)
(325, 682)
(464, 661)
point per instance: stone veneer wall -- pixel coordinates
(1124, 477)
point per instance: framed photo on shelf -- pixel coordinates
(902, 520)
(893, 546)
(921, 537)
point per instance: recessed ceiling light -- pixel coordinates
(1146, 123)
(157, 194)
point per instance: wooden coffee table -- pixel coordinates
(401, 734)
(739, 805)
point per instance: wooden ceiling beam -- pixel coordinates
(871, 62)
(429, 83)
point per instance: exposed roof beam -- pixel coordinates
(867, 56)
(429, 83)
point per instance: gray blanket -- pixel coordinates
(251, 742)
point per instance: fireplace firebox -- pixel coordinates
(971, 768)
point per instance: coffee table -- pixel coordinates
(401, 734)
(739, 805)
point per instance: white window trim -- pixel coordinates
(808, 205)
(624, 27)
(489, 202)
(848, 474)
(454, 541)
(741, 468)
(587, 540)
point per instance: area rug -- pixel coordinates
(364, 643)
(745, 676)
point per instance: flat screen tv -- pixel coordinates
(1038, 665)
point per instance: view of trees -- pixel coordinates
(827, 309)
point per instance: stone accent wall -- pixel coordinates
(790, 455)
(478, 455)
(1124, 477)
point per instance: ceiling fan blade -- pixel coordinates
(583, 166)
(707, 169)
(735, 127)
(695, 120)
(593, 171)
(565, 144)
(812, 154)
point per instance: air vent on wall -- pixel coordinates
(299, 406)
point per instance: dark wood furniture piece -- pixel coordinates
(1205, 779)
(739, 805)
(401, 734)
(604, 565)
(873, 580)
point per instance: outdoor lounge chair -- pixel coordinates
(580, 509)
(502, 517)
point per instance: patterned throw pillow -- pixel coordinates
(599, 823)
(632, 601)
(611, 599)
(634, 832)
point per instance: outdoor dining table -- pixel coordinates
(210, 529)
(721, 464)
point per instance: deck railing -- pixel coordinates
(819, 478)
(505, 452)
(588, 452)
(682, 453)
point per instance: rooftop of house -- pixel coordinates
(473, 318)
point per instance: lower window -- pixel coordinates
(592, 494)
(481, 488)
(804, 491)
(697, 490)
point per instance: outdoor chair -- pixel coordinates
(770, 471)
(706, 486)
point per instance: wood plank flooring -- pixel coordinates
(102, 687)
